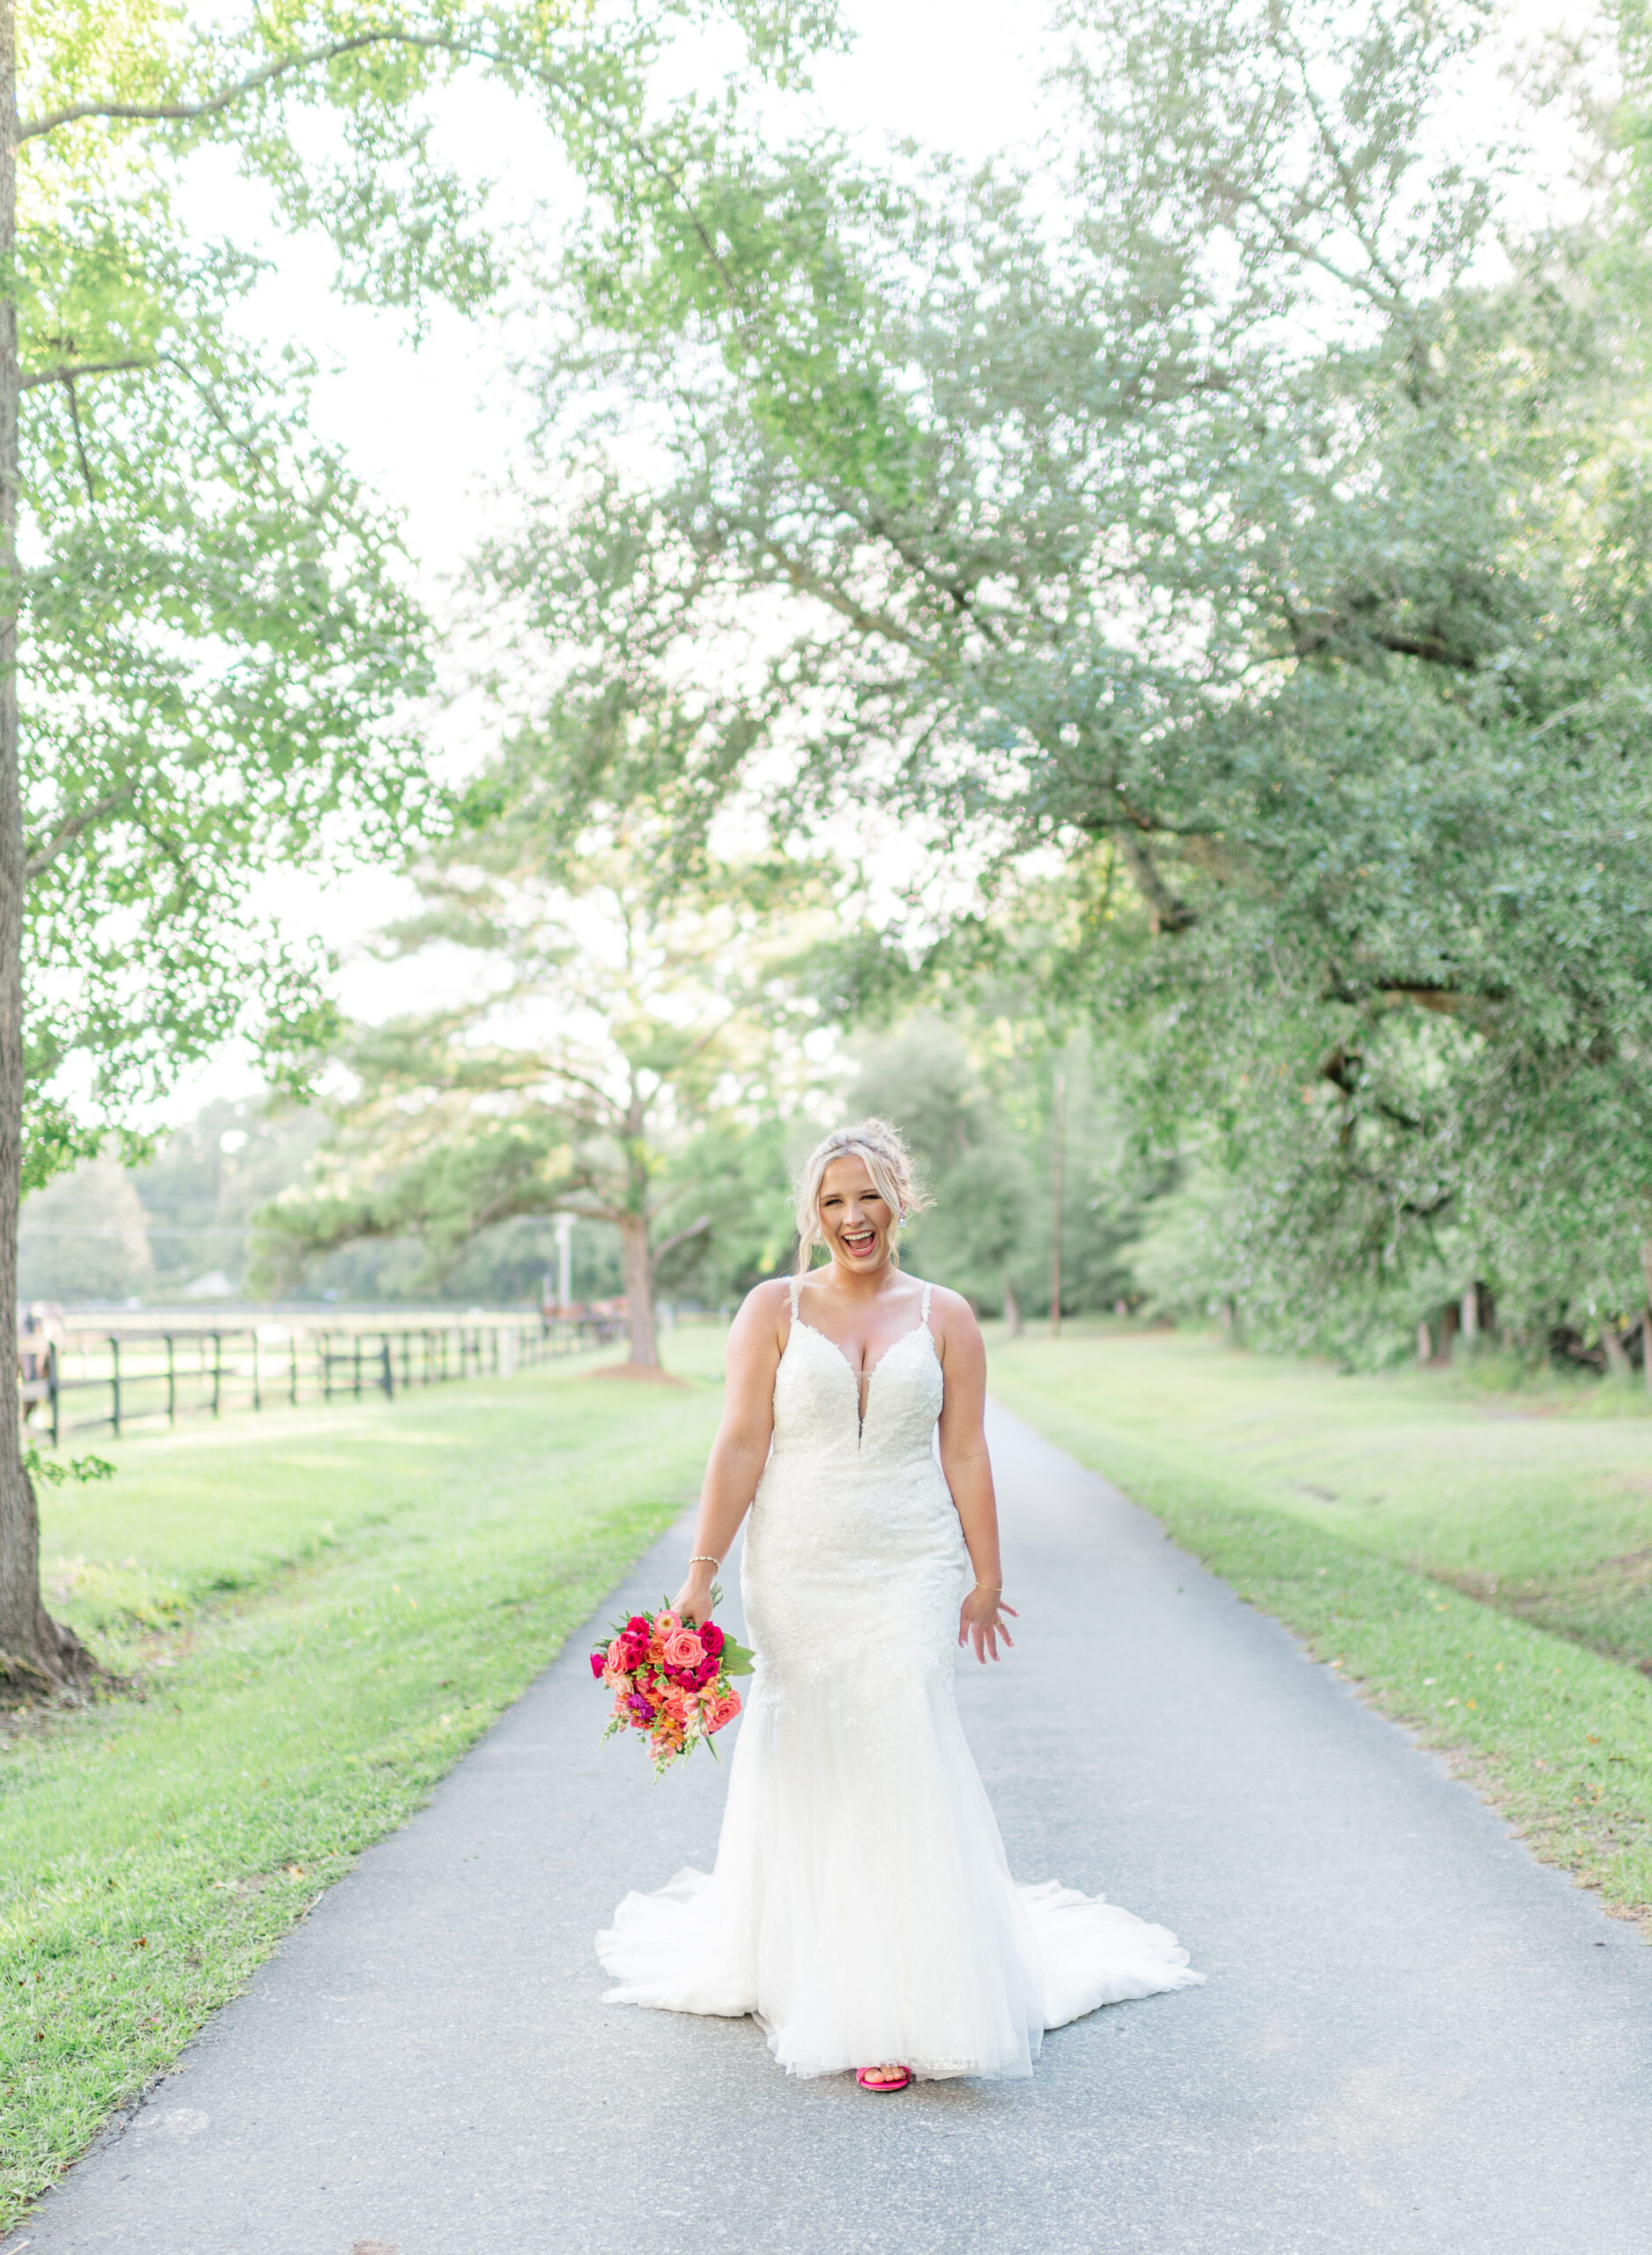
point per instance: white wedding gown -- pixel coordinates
(861, 1908)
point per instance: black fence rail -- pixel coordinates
(148, 1378)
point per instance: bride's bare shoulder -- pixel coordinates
(765, 1310)
(950, 1315)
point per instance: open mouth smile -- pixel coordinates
(859, 1242)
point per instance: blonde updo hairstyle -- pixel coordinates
(885, 1157)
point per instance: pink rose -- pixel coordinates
(724, 1710)
(683, 1649)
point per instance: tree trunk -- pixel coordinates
(639, 1290)
(1616, 1353)
(36, 1652)
(1646, 1335)
(1011, 1313)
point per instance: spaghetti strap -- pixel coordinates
(923, 1312)
(796, 1287)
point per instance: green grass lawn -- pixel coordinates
(1476, 1559)
(324, 1608)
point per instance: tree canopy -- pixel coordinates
(1259, 522)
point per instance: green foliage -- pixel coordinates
(1260, 519)
(221, 664)
(53, 1471)
(973, 1096)
(624, 1034)
(738, 1172)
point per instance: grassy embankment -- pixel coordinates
(1480, 1562)
(325, 1607)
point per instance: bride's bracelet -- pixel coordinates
(704, 1561)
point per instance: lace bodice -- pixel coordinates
(817, 1396)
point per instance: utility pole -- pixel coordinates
(1059, 1093)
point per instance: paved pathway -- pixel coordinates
(1413, 2037)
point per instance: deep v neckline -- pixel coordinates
(800, 1322)
(922, 1324)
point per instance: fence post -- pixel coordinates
(114, 1383)
(51, 1384)
(292, 1368)
(356, 1365)
(258, 1395)
(389, 1382)
(171, 1379)
(326, 1353)
(407, 1360)
(217, 1373)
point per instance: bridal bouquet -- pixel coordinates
(671, 1681)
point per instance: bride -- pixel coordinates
(861, 1908)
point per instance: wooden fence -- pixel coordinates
(113, 1380)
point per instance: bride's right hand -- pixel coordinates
(981, 1622)
(694, 1598)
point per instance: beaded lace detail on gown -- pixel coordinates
(861, 1907)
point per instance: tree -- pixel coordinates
(615, 1028)
(206, 627)
(973, 1096)
(1239, 530)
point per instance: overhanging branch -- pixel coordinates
(279, 66)
(71, 370)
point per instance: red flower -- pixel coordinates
(712, 1637)
(639, 1625)
(599, 1661)
(707, 1672)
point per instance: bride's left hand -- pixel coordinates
(980, 1622)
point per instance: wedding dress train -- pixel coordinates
(861, 1908)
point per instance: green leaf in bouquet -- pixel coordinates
(735, 1659)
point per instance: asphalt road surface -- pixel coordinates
(1413, 2037)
